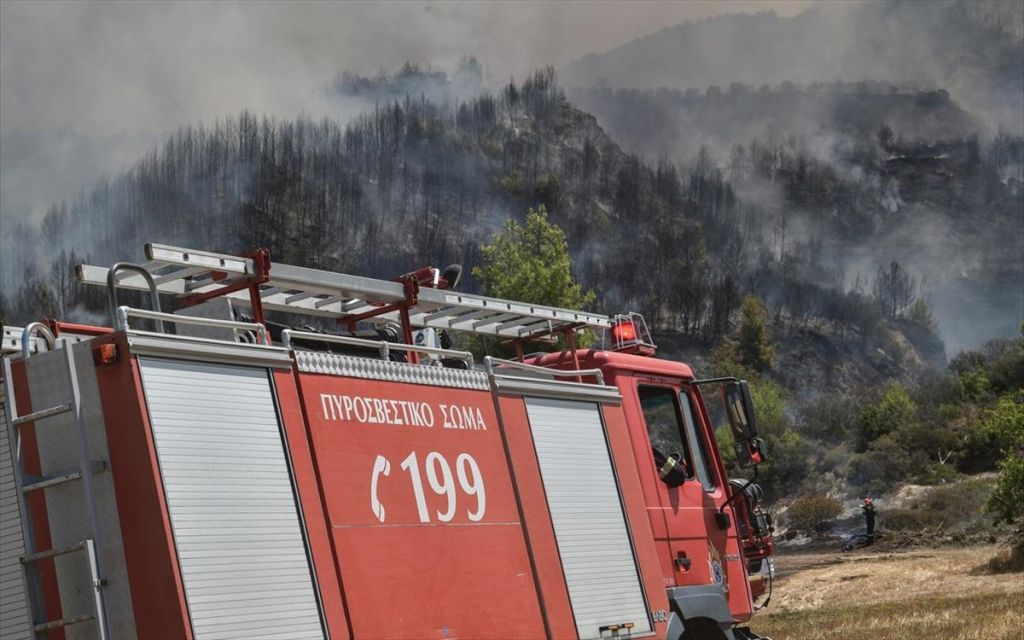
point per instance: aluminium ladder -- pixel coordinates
(25, 484)
(11, 341)
(313, 292)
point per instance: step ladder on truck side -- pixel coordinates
(25, 614)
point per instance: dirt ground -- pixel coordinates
(878, 594)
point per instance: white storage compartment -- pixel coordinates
(229, 492)
(586, 510)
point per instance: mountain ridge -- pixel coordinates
(964, 47)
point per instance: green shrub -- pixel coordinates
(885, 464)
(830, 418)
(726, 444)
(769, 401)
(790, 460)
(835, 459)
(976, 383)
(959, 503)
(998, 367)
(1007, 500)
(549, 190)
(1001, 428)
(953, 507)
(512, 184)
(811, 513)
(936, 473)
(753, 343)
(910, 520)
(894, 411)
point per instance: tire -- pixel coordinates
(702, 629)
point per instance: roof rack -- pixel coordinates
(413, 299)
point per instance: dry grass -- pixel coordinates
(977, 617)
(942, 593)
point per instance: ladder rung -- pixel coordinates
(319, 304)
(300, 296)
(45, 413)
(193, 285)
(50, 553)
(51, 481)
(61, 477)
(63, 622)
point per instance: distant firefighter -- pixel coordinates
(869, 516)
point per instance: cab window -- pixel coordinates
(701, 459)
(664, 426)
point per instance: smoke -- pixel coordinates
(825, 82)
(87, 85)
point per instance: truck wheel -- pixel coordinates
(702, 629)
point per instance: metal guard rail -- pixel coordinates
(490, 362)
(383, 346)
(154, 296)
(26, 338)
(123, 313)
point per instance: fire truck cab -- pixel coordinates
(711, 568)
(216, 475)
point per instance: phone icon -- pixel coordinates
(380, 466)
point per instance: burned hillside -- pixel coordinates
(417, 181)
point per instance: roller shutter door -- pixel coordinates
(229, 493)
(15, 618)
(586, 510)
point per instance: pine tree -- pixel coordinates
(754, 348)
(531, 263)
(894, 289)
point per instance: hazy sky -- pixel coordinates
(87, 87)
(110, 68)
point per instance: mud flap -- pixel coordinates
(702, 602)
(675, 627)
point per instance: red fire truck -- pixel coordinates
(213, 474)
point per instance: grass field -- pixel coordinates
(935, 593)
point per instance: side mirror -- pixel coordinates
(750, 453)
(763, 526)
(750, 449)
(740, 409)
